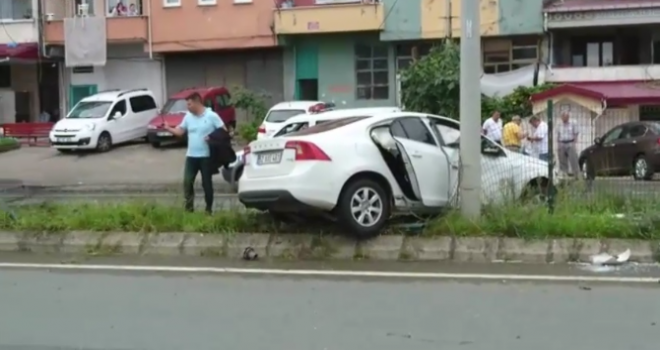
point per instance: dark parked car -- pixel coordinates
(630, 148)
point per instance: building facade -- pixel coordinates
(19, 57)
(350, 52)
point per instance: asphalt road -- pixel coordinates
(48, 310)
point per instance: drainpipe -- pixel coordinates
(149, 31)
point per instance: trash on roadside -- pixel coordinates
(250, 254)
(605, 259)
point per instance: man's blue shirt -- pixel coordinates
(198, 127)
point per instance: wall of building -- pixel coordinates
(260, 71)
(520, 17)
(402, 21)
(225, 25)
(337, 68)
(128, 67)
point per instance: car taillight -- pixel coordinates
(307, 151)
(261, 130)
(246, 151)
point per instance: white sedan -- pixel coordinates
(360, 170)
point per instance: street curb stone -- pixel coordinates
(325, 247)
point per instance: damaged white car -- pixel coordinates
(363, 169)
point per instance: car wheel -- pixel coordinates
(642, 168)
(104, 143)
(587, 170)
(537, 191)
(155, 144)
(364, 208)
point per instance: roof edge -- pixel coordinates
(567, 89)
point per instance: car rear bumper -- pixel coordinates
(275, 200)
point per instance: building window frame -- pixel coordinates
(207, 2)
(171, 3)
(520, 52)
(372, 71)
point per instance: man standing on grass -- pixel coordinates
(197, 124)
(539, 139)
(492, 128)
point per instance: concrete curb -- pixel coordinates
(314, 247)
(220, 187)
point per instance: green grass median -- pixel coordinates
(602, 217)
(7, 144)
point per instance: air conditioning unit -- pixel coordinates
(83, 10)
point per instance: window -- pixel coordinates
(90, 7)
(208, 103)
(5, 76)
(206, 2)
(223, 100)
(92, 109)
(130, 7)
(501, 56)
(412, 128)
(171, 3)
(142, 103)
(372, 72)
(291, 128)
(120, 107)
(175, 106)
(327, 126)
(282, 115)
(613, 134)
(632, 131)
(15, 9)
(592, 52)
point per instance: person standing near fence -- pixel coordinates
(512, 134)
(567, 135)
(492, 128)
(539, 139)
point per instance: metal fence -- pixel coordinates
(597, 155)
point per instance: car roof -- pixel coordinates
(202, 90)
(341, 113)
(304, 105)
(112, 95)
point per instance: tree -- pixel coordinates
(431, 85)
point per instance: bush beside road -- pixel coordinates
(526, 233)
(8, 144)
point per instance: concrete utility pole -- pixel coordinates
(470, 110)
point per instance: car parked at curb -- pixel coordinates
(628, 149)
(283, 111)
(362, 169)
(105, 119)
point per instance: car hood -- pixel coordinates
(77, 123)
(171, 119)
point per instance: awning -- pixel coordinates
(613, 93)
(22, 51)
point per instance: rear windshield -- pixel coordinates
(291, 128)
(282, 115)
(319, 128)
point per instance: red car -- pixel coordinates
(216, 98)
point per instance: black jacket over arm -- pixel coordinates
(222, 153)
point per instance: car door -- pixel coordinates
(602, 157)
(117, 125)
(224, 108)
(449, 134)
(428, 164)
(143, 109)
(627, 146)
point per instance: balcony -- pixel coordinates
(332, 18)
(123, 27)
(599, 74)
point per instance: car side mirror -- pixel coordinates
(598, 141)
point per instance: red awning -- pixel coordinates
(23, 51)
(599, 5)
(614, 93)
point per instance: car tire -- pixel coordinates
(104, 143)
(587, 169)
(642, 169)
(357, 194)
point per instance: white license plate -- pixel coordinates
(64, 139)
(166, 134)
(269, 158)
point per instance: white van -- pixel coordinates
(105, 119)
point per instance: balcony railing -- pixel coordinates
(326, 16)
(125, 22)
(608, 73)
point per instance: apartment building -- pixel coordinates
(605, 55)
(20, 71)
(131, 62)
(349, 51)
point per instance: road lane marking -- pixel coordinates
(330, 273)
